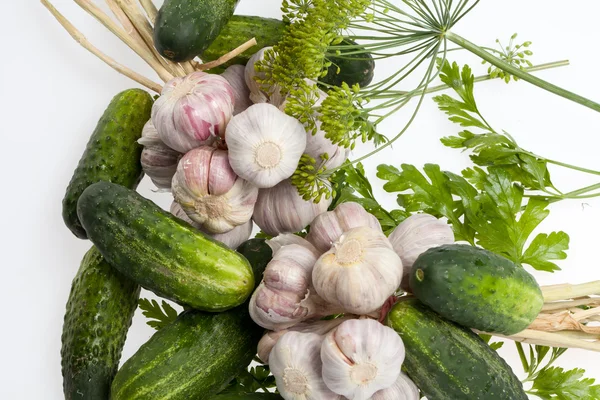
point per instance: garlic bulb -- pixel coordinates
(289, 238)
(193, 110)
(283, 298)
(360, 271)
(296, 364)
(320, 327)
(318, 144)
(403, 389)
(361, 357)
(265, 145)
(210, 193)
(236, 76)
(282, 210)
(158, 160)
(417, 234)
(232, 239)
(259, 92)
(328, 227)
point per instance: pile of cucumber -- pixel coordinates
(137, 244)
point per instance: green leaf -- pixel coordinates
(556, 383)
(545, 248)
(158, 317)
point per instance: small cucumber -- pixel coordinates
(112, 153)
(476, 288)
(353, 68)
(449, 362)
(99, 312)
(197, 355)
(185, 28)
(162, 253)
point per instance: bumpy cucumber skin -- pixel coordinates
(99, 312)
(112, 153)
(239, 29)
(162, 253)
(447, 361)
(185, 28)
(248, 396)
(196, 356)
(355, 68)
(476, 288)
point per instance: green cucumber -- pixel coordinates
(476, 288)
(185, 28)
(248, 396)
(162, 253)
(197, 355)
(447, 361)
(268, 32)
(99, 312)
(112, 153)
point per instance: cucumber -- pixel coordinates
(447, 361)
(240, 29)
(353, 69)
(476, 288)
(112, 153)
(248, 396)
(99, 312)
(162, 253)
(185, 28)
(268, 32)
(197, 355)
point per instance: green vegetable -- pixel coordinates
(447, 361)
(162, 253)
(351, 69)
(99, 312)
(476, 288)
(197, 355)
(240, 29)
(112, 153)
(185, 28)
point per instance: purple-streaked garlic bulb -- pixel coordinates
(265, 145)
(281, 209)
(210, 193)
(403, 389)
(259, 92)
(232, 239)
(296, 364)
(158, 160)
(236, 76)
(361, 357)
(285, 239)
(327, 228)
(193, 111)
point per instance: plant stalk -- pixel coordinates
(511, 69)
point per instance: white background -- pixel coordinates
(53, 93)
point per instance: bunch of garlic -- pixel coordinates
(210, 193)
(158, 160)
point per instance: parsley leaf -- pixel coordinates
(157, 317)
(556, 383)
(255, 379)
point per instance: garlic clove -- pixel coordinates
(417, 234)
(296, 364)
(285, 239)
(265, 145)
(259, 92)
(158, 160)
(193, 111)
(327, 228)
(403, 389)
(318, 144)
(282, 210)
(360, 271)
(210, 192)
(236, 76)
(361, 357)
(267, 342)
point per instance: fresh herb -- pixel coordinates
(256, 379)
(513, 54)
(493, 345)
(158, 316)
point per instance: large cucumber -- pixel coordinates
(447, 361)
(197, 355)
(268, 32)
(161, 252)
(476, 288)
(185, 28)
(112, 153)
(99, 312)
